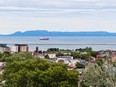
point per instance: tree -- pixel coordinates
(26, 55)
(76, 55)
(79, 65)
(87, 49)
(94, 53)
(86, 56)
(99, 62)
(38, 73)
(80, 50)
(5, 57)
(59, 54)
(99, 76)
(53, 49)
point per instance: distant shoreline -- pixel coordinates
(61, 44)
(59, 33)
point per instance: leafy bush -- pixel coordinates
(79, 65)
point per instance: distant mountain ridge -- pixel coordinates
(59, 33)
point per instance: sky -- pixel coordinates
(57, 15)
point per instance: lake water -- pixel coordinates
(63, 42)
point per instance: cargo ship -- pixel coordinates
(44, 38)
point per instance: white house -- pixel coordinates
(40, 56)
(66, 59)
(51, 55)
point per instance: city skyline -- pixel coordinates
(59, 15)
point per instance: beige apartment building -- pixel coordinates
(19, 48)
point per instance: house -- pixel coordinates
(51, 55)
(83, 52)
(4, 48)
(113, 53)
(67, 53)
(66, 59)
(107, 53)
(113, 58)
(71, 66)
(41, 56)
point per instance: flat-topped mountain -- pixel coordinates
(60, 33)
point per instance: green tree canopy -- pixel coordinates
(99, 76)
(86, 56)
(39, 73)
(15, 57)
(52, 49)
(87, 49)
(79, 65)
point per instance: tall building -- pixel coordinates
(19, 48)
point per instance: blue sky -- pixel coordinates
(57, 15)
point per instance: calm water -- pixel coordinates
(62, 42)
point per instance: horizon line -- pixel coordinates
(54, 31)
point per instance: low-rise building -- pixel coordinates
(104, 53)
(4, 48)
(51, 55)
(40, 56)
(113, 58)
(66, 59)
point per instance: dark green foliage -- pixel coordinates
(86, 56)
(1, 55)
(65, 50)
(15, 57)
(6, 52)
(26, 55)
(99, 62)
(39, 73)
(59, 54)
(76, 55)
(53, 50)
(87, 49)
(94, 53)
(79, 65)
